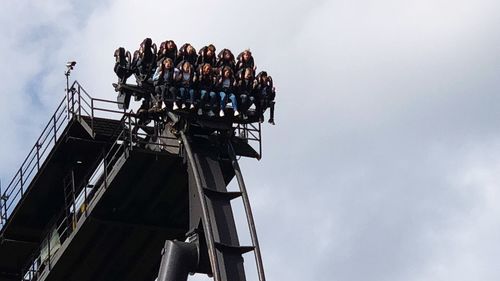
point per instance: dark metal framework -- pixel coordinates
(248, 211)
(251, 133)
(219, 250)
(131, 134)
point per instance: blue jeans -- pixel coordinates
(184, 94)
(223, 101)
(212, 97)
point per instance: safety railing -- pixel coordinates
(77, 102)
(80, 103)
(19, 184)
(250, 133)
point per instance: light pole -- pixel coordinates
(69, 66)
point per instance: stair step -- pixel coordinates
(233, 249)
(222, 195)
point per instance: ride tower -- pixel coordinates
(107, 194)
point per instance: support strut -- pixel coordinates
(179, 259)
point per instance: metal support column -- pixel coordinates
(178, 260)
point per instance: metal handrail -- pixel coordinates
(76, 101)
(250, 133)
(22, 178)
(38, 264)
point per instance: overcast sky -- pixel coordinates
(385, 160)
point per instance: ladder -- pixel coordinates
(69, 200)
(224, 250)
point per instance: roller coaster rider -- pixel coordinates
(168, 49)
(186, 79)
(245, 60)
(226, 58)
(225, 86)
(244, 89)
(187, 53)
(207, 55)
(205, 83)
(164, 81)
(265, 94)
